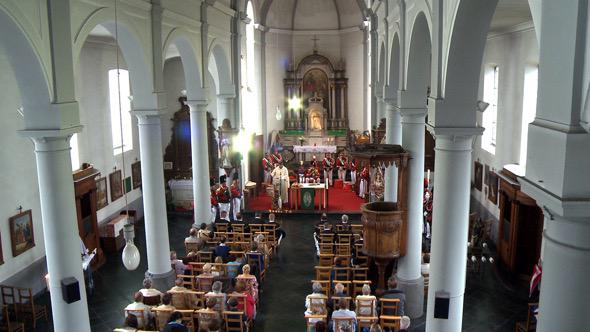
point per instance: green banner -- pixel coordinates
(307, 198)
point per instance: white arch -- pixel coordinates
(30, 76)
(393, 82)
(418, 64)
(221, 63)
(136, 55)
(382, 70)
(190, 64)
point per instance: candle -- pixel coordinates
(428, 178)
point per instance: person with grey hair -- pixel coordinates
(216, 293)
(366, 304)
(344, 226)
(148, 290)
(393, 293)
(404, 324)
(315, 303)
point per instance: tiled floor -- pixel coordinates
(489, 305)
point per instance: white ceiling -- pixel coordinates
(313, 14)
(510, 13)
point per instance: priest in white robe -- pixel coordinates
(280, 181)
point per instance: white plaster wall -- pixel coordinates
(95, 141)
(18, 178)
(282, 49)
(512, 52)
(174, 83)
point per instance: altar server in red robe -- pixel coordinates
(267, 165)
(364, 185)
(352, 168)
(341, 164)
(236, 198)
(328, 165)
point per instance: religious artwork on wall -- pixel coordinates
(101, 193)
(315, 83)
(136, 174)
(493, 187)
(478, 177)
(486, 175)
(128, 184)
(116, 185)
(21, 232)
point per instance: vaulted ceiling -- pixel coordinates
(311, 14)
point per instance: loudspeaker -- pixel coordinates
(70, 290)
(441, 305)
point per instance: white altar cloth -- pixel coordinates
(315, 148)
(182, 191)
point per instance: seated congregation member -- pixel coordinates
(344, 225)
(280, 234)
(190, 257)
(175, 323)
(250, 281)
(338, 292)
(240, 221)
(221, 250)
(144, 322)
(178, 265)
(234, 266)
(194, 237)
(362, 301)
(342, 312)
(259, 267)
(321, 326)
(217, 269)
(178, 286)
(232, 305)
(393, 293)
(148, 291)
(166, 302)
(257, 218)
(217, 294)
(207, 270)
(208, 314)
(204, 234)
(317, 295)
(249, 302)
(223, 218)
(130, 323)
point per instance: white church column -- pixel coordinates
(450, 224)
(200, 158)
(409, 273)
(154, 198)
(60, 227)
(393, 135)
(558, 164)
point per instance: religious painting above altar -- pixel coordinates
(315, 84)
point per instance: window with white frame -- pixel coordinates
(529, 108)
(119, 92)
(490, 116)
(74, 152)
(250, 104)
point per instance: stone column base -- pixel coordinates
(162, 282)
(414, 291)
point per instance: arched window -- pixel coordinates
(529, 108)
(119, 93)
(74, 152)
(490, 116)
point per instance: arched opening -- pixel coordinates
(419, 58)
(381, 72)
(251, 117)
(394, 70)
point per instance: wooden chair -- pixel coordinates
(188, 281)
(326, 248)
(388, 307)
(188, 319)
(205, 256)
(366, 307)
(391, 322)
(241, 298)
(326, 260)
(9, 326)
(360, 273)
(191, 247)
(530, 324)
(9, 299)
(203, 283)
(326, 238)
(256, 228)
(234, 321)
(141, 317)
(341, 323)
(342, 249)
(345, 259)
(347, 286)
(219, 301)
(205, 316)
(357, 286)
(341, 273)
(196, 267)
(152, 300)
(336, 300)
(323, 272)
(311, 320)
(356, 229)
(221, 227)
(28, 307)
(178, 299)
(361, 260)
(256, 259)
(317, 304)
(238, 228)
(345, 239)
(195, 300)
(162, 316)
(325, 286)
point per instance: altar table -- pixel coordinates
(315, 148)
(182, 193)
(320, 199)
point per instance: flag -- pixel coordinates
(535, 278)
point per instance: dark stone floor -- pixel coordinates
(490, 305)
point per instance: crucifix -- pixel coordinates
(315, 44)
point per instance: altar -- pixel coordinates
(315, 148)
(182, 193)
(309, 196)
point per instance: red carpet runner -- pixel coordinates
(339, 200)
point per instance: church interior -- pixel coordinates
(294, 165)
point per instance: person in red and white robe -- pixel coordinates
(276, 158)
(352, 168)
(214, 206)
(328, 165)
(236, 198)
(268, 166)
(223, 197)
(341, 164)
(364, 184)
